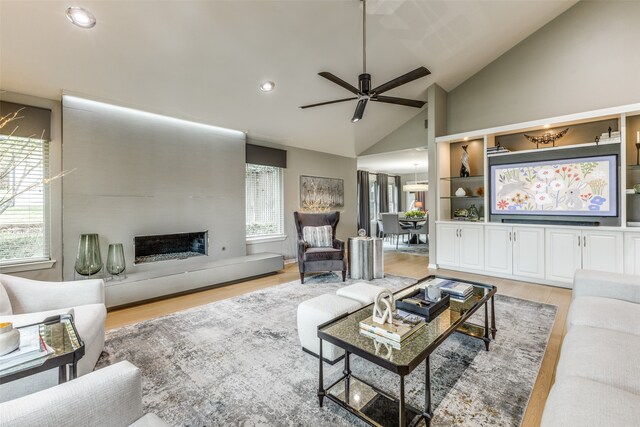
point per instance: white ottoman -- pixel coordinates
(363, 292)
(316, 311)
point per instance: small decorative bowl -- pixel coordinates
(636, 188)
(9, 338)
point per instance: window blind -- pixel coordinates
(24, 198)
(265, 201)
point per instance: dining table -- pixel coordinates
(415, 239)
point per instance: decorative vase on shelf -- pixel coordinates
(473, 213)
(88, 259)
(636, 188)
(460, 192)
(115, 259)
(465, 170)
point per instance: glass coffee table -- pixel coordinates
(60, 334)
(375, 406)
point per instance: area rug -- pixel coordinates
(422, 249)
(238, 362)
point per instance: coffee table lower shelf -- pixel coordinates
(369, 403)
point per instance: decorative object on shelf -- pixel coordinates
(417, 186)
(461, 213)
(609, 130)
(636, 188)
(362, 233)
(547, 137)
(433, 292)
(318, 194)
(460, 192)
(9, 338)
(383, 308)
(465, 170)
(115, 260)
(473, 213)
(480, 191)
(88, 259)
(638, 148)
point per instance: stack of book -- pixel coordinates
(457, 290)
(497, 149)
(606, 139)
(32, 348)
(404, 325)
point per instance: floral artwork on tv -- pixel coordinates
(578, 187)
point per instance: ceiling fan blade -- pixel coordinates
(399, 101)
(357, 115)
(329, 102)
(399, 81)
(340, 82)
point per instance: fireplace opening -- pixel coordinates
(163, 247)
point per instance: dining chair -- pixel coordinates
(421, 228)
(392, 226)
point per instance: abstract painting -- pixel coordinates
(318, 194)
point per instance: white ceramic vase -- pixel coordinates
(9, 338)
(460, 192)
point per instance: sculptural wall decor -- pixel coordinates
(465, 170)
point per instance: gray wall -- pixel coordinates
(138, 174)
(412, 134)
(587, 58)
(314, 163)
(55, 187)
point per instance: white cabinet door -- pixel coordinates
(632, 253)
(497, 241)
(602, 250)
(563, 254)
(528, 252)
(447, 244)
(471, 246)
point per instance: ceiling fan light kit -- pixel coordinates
(363, 92)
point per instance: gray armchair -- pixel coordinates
(319, 259)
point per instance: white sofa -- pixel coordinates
(598, 374)
(24, 301)
(109, 397)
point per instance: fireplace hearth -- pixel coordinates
(164, 247)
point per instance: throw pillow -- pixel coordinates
(318, 237)
(5, 303)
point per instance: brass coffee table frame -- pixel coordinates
(407, 415)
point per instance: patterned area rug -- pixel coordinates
(238, 362)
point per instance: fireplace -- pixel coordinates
(163, 247)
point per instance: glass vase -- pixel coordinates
(88, 259)
(115, 259)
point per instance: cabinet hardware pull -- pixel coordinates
(514, 236)
(461, 232)
(584, 241)
(457, 232)
(509, 236)
(578, 240)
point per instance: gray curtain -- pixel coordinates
(363, 201)
(421, 196)
(382, 180)
(399, 190)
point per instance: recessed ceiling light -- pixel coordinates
(267, 86)
(81, 17)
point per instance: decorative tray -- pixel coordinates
(418, 303)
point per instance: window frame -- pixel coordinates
(266, 237)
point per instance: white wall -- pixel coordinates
(313, 163)
(139, 174)
(587, 58)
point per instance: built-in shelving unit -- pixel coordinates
(536, 251)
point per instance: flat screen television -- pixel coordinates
(584, 186)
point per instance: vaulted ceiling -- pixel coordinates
(204, 60)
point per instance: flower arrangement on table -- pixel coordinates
(414, 214)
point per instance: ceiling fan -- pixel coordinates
(363, 92)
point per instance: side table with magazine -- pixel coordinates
(52, 343)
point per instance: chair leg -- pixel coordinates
(301, 277)
(344, 275)
(397, 240)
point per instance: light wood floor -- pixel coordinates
(398, 264)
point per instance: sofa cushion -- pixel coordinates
(363, 292)
(323, 254)
(605, 313)
(602, 355)
(575, 401)
(318, 237)
(89, 321)
(5, 302)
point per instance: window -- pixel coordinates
(265, 208)
(373, 197)
(393, 198)
(23, 199)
